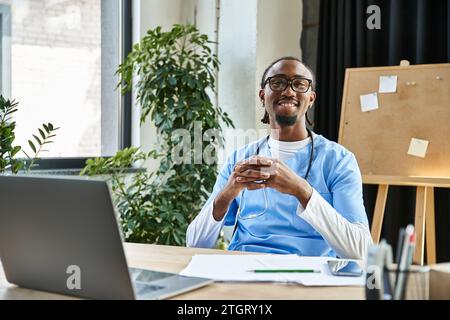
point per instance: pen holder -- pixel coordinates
(417, 281)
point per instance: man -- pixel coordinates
(292, 192)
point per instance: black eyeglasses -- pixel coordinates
(298, 84)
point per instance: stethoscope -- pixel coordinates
(266, 201)
(311, 154)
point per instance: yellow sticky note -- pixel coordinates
(418, 147)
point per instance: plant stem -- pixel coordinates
(124, 193)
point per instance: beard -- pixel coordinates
(286, 120)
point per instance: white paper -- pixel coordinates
(232, 268)
(388, 84)
(418, 147)
(369, 102)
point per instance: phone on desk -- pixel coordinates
(346, 268)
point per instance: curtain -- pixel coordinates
(415, 30)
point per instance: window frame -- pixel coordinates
(5, 50)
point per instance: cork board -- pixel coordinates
(420, 109)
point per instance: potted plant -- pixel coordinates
(175, 72)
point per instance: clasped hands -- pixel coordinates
(261, 172)
(258, 173)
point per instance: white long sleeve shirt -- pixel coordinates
(348, 240)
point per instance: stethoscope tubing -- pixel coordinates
(311, 159)
(311, 155)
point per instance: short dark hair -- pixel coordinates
(264, 77)
(266, 119)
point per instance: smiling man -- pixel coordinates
(293, 191)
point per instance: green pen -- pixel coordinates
(285, 271)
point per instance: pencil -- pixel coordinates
(285, 271)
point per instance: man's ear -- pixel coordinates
(262, 95)
(312, 97)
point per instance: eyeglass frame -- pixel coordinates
(289, 83)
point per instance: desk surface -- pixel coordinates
(174, 259)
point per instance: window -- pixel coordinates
(64, 54)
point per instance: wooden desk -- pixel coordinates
(174, 259)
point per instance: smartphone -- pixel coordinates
(346, 268)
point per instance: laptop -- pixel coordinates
(60, 234)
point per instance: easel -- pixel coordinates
(379, 139)
(424, 222)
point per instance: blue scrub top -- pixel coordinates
(334, 174)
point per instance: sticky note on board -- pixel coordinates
(388, 84)
(369, 102)
(418, 147)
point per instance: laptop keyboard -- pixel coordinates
(142, 289)
(142, 275)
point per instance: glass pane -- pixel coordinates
(59, 73)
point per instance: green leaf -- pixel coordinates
(15, 150)
(37, 139)
(17, 166)
(42, 134)
(32, 146)
(172, 81)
